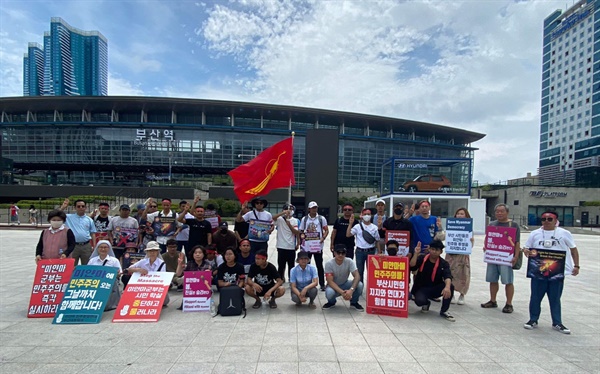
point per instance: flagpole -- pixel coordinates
(290, 187)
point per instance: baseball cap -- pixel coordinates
(312, 204)
(380, 201)
(340, 248)
(141, 207)
(124, 206)
(223, 224)
(398, 204)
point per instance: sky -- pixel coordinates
(474, 65)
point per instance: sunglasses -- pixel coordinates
(549, 219)
(340, 253)
(80, 206)
(153, 206)
(348, 210)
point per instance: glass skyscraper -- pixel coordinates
(72, 62)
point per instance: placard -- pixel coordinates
(499, 245)
(388, 282)
(143, 298)
(259, 230)
(97, 236)
(546, 264)
(86, 297)
(403, 239)
(459, 232)
(311, 242)
(212, 217)
(197, 291)
(130, 258)
(124, 235)
(50, 282)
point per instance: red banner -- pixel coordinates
(97, 236)
(403, 239)
(387, 277)
(51, 280)
(271, 169)
(143, 298)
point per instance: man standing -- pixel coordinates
(502, 272)
(240, 226)
(260, 224)
(164, 223)
(184, 235)
(340, 226)
(550, 237)
(337, 271)
(200, 229)
(314, 231)
(398, 223)
(264, 281)
(425, 226)
(224, 238)
(304, 281)
(123, 230)
(432, 279)
(379, 218)
(367, 236)
(287, 239)
(83, 227)
(101, 217)
(14, 214)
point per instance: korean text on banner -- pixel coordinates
(403, 239)
(387, 278)
(50, 282)
(197, 291)
(143, 298)
(459, 232)
(499, 245)
(86, 297)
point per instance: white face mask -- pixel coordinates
(56, 224)
(291, 213)
(367, 218)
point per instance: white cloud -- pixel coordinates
(118, 86)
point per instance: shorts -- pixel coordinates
(502, 272)
(265, 289)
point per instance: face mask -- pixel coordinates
(56, 224)
(398, 212)
(223, 229)
(291, 213)
(367, 218)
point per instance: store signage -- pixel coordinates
(571, 21)
(412, 166)
(547, 194)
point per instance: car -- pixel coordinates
(429, 183)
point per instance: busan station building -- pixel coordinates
(142, 141)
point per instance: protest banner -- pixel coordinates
(499, 245)
(546, 264)
(403, 239)
(130, 258)
(143, 298)
(50, 282)
(85, 298)
(124, 235)
(311, 242)
(459, 232)
(213, 218)
(259, 230)
(97, 236)
(387, 292)
(197, 291)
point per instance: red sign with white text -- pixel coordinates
(51, 280)
(143, 298)
(387, 277)
(403, 239)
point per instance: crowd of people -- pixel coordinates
(195, 239)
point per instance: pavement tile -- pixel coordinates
(319, 368)
(352, 353)
(277, 367)
(316, 353)
(401, 368)
(191, 367)
(281, 353)
(360, 367)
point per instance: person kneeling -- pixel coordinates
(433, 279)
(304, 281)
(337, 271)
(264, 281)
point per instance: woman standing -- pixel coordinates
(57, 241)
(460, 265)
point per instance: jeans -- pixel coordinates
(319, 265)
(423, 294)
(361, 259)
(331, 295)
(553, 289)
(285, 257)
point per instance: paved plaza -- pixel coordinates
(298, 340)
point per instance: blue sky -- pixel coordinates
(468, 64)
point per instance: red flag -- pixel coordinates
(271, 169)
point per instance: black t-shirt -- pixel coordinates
(264, 277)
(199, 231)
(101, 223)
(423, 279)
(231, 274)
(341, 225)
(241, 228)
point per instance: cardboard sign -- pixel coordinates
(388, 280)
(50, 282)
(212, 217)
(546, 264)
(259, 230)
(500, 245)
(197, 291)
(459, 232)
(86, 297)
(311, 242)
(143, 298)
(403, 239)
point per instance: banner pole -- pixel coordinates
(289, 200)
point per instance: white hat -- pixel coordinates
(152, 246)
(380, 201)
(312, 204)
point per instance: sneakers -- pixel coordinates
(461, 300)
(328, 305)
(322, 289)
(490, 304)
(357, 306)
(425, 308)
(453, 301)
(448, 316)
(530, 325)
(561, 328)
(507, 309)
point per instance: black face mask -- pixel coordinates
(398, 212)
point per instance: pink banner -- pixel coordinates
(500, 245)
(197, 291)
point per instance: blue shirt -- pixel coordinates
(303, 278)
(82, 227)
(424, 229)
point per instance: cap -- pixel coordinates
(259, 198)
(312, 204)
(223, 224)
(437, 244)
(398, 204)
(152, 246)
(380, 201)
(302, 254)
(141, 207)
(124, 206)
(339, 248)
(289, 207)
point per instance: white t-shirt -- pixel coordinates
(357, 232)
(560, 239)
(184, 234)
(286, 239)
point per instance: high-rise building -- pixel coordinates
(570, 117)
(72, 62)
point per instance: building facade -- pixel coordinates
(570, 116)
(72, 62)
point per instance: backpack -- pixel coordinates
(231, 301)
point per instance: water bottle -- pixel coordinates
(60, 252)
(263, 309)
(213, 308)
